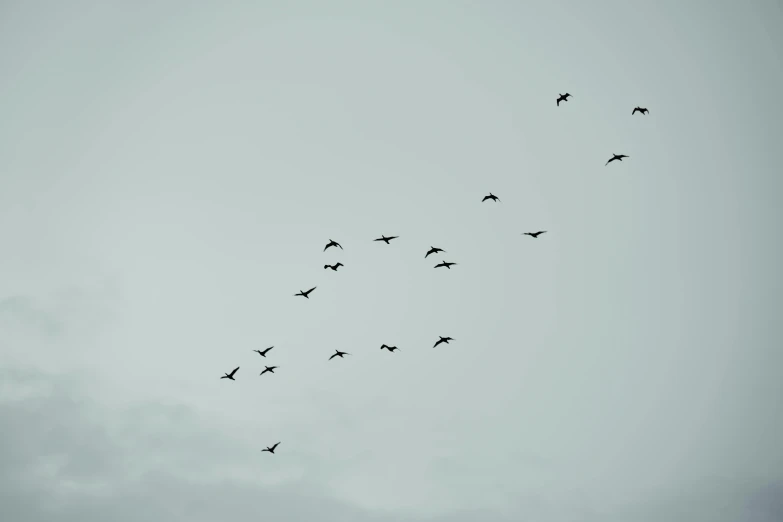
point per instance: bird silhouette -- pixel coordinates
(445, 264)
(442, 340)
(390, 348)
(492, 197)
(640, 109)
(338, 353)
(386, 239)
(332, 243)
(334, 267)
(433, 250)
(270, 449)
(305, 294)
(270, 369)
(263, 354)
(534, 234)
(618, 157)
(563, 98)
(230, 375)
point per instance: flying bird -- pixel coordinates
(386, 239)
(338, 353)
(433, 250)
(305, 294)
(640, 109)
(534, 234)
(332, 243)
(563, 98)
(444, 263)
(390, 348)
(442, 340)
(263, 354)
(271, 449)
(618, 157)
(492, 197)
(270, 369)
(230, 375)
(334, 267)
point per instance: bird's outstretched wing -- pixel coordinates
(313, 288)
(234, 371)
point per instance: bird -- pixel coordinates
(433, 250)
(230, 375)
(492, 197)
(640, 109)
(390, 348)
(442, 340)
(386, 239)
(263, 354)
(332, 243)
(534, 234)
(563, 97)
(618, 157)
(271, 449)
(338, 353)
(334, 267)
(444, 263)
(305, 294)
(270, 369)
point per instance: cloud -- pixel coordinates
(65, 456)
(23, 313)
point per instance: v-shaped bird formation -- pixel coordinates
(433, 250)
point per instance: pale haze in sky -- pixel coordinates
(171, 171)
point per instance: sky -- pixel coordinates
(171, 171)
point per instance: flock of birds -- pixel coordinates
(432, 250)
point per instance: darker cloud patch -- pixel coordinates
(23, 313)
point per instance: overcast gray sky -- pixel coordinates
(171, 171)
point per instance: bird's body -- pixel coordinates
(338, 353)
(305, 294)
(386, 239)
(271, 449)
(334, 266)
(618, 157)
(230, 375)
(442, 340)
(444, 264)
(270, 369)
(433, 250)
(534, 234)
(332, 243)
(390, 348)
(492, 197)
(563, 98)
(640, 109)
(263, 353)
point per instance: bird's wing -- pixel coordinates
(235, 371)
(275, 446)
(558, 102)
(313, 288)
(339, 245)
(327, 246)
(332, 357)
